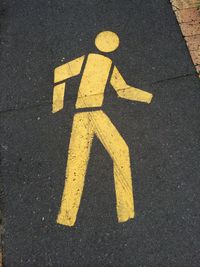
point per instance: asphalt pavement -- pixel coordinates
(163, 137)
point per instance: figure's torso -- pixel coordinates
(93, 82)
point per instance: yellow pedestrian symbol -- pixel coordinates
(90, 120)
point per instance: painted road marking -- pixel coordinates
(89, 123)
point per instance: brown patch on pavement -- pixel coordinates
(190, 29)
(188, 16)
(182, 4)
(193, 42)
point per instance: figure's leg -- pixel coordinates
(78, 155)
(119, 152)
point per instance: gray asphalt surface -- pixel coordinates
(163, 137)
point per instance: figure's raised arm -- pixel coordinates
(63, 73)
(126, 91)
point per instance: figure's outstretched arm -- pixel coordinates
(126, 91)
(63, 73)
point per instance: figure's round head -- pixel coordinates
(107, 41)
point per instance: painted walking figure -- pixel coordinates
(88, 122)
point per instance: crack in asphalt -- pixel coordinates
(29, 107)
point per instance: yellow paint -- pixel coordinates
(62, 73)
(93, 82)
(87, 124)
(68, 70)
(107, 41)
(126, 91)
(58, 97)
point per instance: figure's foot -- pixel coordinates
(65, 220)
(124, 217)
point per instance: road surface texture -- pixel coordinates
(163, 137)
